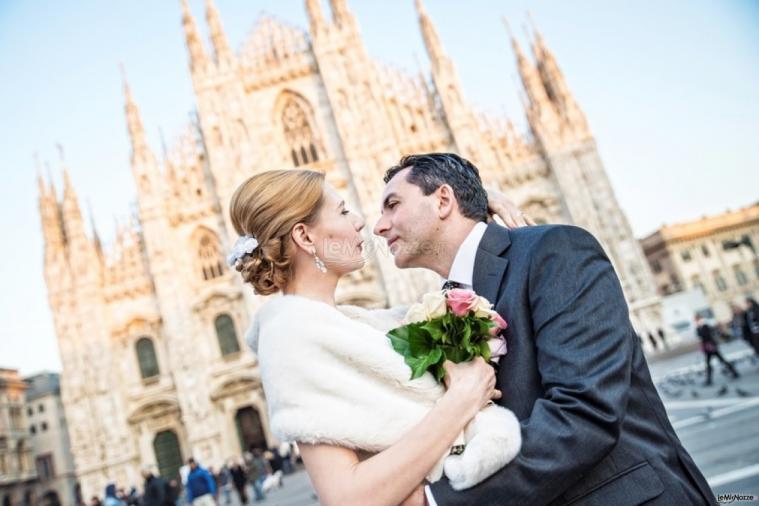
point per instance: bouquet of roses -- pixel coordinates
(456, 325)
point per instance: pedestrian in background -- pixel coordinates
(223, 480)
(110, 496)
(710, 349)
(240, 479)
(172, 492)
(751, 324)
(284, 452)
(201, 487)
(653, 342)
(154, 489)
(257, 472)
(663, 338)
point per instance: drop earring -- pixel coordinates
(319, 263)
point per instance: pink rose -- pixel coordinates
(461, 301)
(497, 348)
(499, 321)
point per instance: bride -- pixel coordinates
(366, 433)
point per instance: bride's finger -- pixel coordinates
(509, 221)
(529, 220)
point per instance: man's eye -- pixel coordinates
(392, 205)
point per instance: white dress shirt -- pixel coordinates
(462, 268)
(462, 272)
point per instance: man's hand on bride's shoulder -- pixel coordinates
(499, 205)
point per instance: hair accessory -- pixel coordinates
(245, 245)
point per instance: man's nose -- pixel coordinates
(381, 226)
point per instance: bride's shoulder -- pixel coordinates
(382, 319)
(283, 315)
(284, 308)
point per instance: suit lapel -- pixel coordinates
(489, 265)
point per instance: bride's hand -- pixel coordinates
(472, 384)
(505, 209)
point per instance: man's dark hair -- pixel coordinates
(432, 170)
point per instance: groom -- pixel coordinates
(594, 430)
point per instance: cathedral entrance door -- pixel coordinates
(167, 454)
(249, 428)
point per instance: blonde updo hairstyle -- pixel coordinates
(268, 206)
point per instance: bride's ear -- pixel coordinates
(301, 238)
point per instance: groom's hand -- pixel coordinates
(417, 497)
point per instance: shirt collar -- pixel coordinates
(462, 269)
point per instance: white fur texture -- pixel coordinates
(493, 439)
(331, 376)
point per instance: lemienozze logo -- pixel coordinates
(730, 498)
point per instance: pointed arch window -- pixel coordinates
(146, 357)
(298, 133)
(226, 334)
(209, 256)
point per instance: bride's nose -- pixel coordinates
(360, 223)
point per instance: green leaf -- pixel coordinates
(485, 350)
(419, 342)
(435, 328)
(399, 340)
(438, 372)
(421, 366)
(466, 334)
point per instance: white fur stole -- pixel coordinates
(331, 376)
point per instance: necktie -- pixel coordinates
(451, 284)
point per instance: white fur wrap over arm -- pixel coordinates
(331, 376)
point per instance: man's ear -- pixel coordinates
(301, 238)
(446, 201)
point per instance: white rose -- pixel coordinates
(415, 313)
(432, 306)
(483, 309)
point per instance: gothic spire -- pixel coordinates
(555, 84)
(95, 236)
(431, 38)
(315, 16)
(73, 225)
(527, 72)
(140, 149)
(198, 57)
(218, 38)
(49, 215)
(341, 15)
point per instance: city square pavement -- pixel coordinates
(718, 425)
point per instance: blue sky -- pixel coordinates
(671, 91)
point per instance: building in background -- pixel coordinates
(50, 441)
(149, 329)
(717, 255)
(18, 477)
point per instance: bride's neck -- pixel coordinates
(314, 285)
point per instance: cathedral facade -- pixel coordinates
(151, 328)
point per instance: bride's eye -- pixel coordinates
(344, 211)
